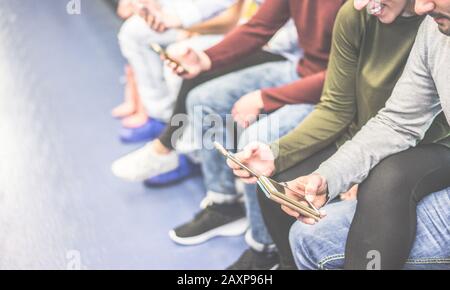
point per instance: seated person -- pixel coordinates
(153, 96)
(285, 92)
(157, 161)
(397, 179)
(360, 79)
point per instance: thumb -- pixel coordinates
(312, 187)
(250, 150)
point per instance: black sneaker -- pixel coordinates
(254, 260)
(215, 220)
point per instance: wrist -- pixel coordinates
(259, 100)
(205, 61)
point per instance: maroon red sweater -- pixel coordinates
(314, 21)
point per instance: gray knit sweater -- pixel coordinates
(420, 95)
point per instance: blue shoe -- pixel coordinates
(185, 169)
(148, 132)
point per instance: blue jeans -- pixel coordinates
(322, 246)
(217, 97)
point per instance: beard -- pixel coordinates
(445, 29)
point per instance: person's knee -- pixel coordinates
(390, 179)
(305, 249)
(198, 100)
(134, 32)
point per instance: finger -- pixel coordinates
(323, 213)
(180, 70)
(312, 188)
(308, 221)
(251, 180)
(249, 150)
(242, 173)
(232, 164)
(290, 212)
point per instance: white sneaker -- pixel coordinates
(144, 163)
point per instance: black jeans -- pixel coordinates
(255, 59)
(385, 218)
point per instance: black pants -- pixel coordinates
(385, 218)
(255, 59)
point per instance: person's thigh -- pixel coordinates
(136, 32)
(220, 94)
(431, 249)
(322, 246)
(387, 203)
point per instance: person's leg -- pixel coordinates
(322, 246)
(279, 223)
(129, 106)
(134, 38)
(431, 247)
(210, 107)
(385, 218)
(266, 130)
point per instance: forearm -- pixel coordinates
(305, 90)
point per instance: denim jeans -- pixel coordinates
(157, 86)
(322, 246)
(217, 97)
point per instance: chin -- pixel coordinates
(386, 19)
(445, 30)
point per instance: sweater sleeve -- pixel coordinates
(253, 35)
(337, 107)
(408, 115)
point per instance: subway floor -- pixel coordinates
(60, 206)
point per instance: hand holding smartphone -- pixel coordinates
(159, 50)
(275, 190)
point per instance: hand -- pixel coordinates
(156, 18)
(125, 8)
(188, 63)
(257, 156)
(312, 188)
(247, 109)
(351, 194)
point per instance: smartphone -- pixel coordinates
(159, 50)
(274, 190)
(277, 192)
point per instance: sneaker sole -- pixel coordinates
(235, 228)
